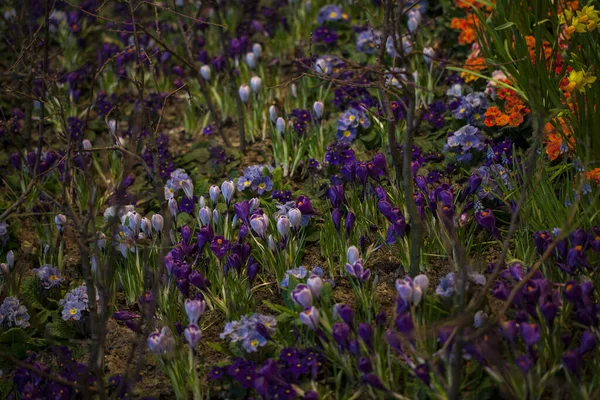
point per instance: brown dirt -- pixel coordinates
(119, 341)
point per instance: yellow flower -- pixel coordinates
(579, 80)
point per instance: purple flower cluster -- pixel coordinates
(570, 253)
(13, 313)
(165, 159)
(435, 115)
(256, 178)
(300, 120)
(332, 13)
(75, 304)
(464, 142)
(252, 332)
(274, 378)
(367, 41)
(470, 108)
(48, 276)
(349, 122)
(30, 385)
(326, 35)
(339, 153)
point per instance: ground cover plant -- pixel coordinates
(386, 199)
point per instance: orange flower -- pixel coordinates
(502, 120)
(473, 64)
(490, 121)
(467, 36)
(594, 175)
(459, 24)
(515, 119)
(554, 140)
(493, 112)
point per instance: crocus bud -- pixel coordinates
(173, 207)
(256, 84)
(192, 334)
(479, 319)
(350, 219)
(257, 49)
(422, 281)
(202, 202)
(271, 242)
(474, 183)
(315, 284)
(162, 343)
(146, 226)
(60, 220)
(188, 188)
(194, 309)
(205, 72)
(205, 215)
(283, 226)
(86, 144)
(345, 312)
(295, 217)
(158, 222)
(251, 60)
(228, 188)
(244, 92)
(101, 241)
(336, 217)
(352, 255)
(273, 113)
(428, 54)
(310, 318)
(135, 221)
(302, 296)
(413, 24)
(294, 91)
(215, 216)
(318, 107)
(406, 45)
(253, 204)
(10, 259)
(280, 125)
(259, 224)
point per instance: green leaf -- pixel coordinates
(371, 140)
(504, 26)
(184, 219)
(13, 335)
(32, 293)
(218, 347)
(59, 329)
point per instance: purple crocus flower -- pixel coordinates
(487, 220)
(345, 312)
(422, 372)
(219, 246)
(542, 240)
(588, 342)
(594, 239)
(302, 296)
(531, 333)
(198, 280)
(357, 271)
(341, 333)
(350, 220)
(336, 195)
(572, 360)
(336, 217)
(305, 206)
(310, 317)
